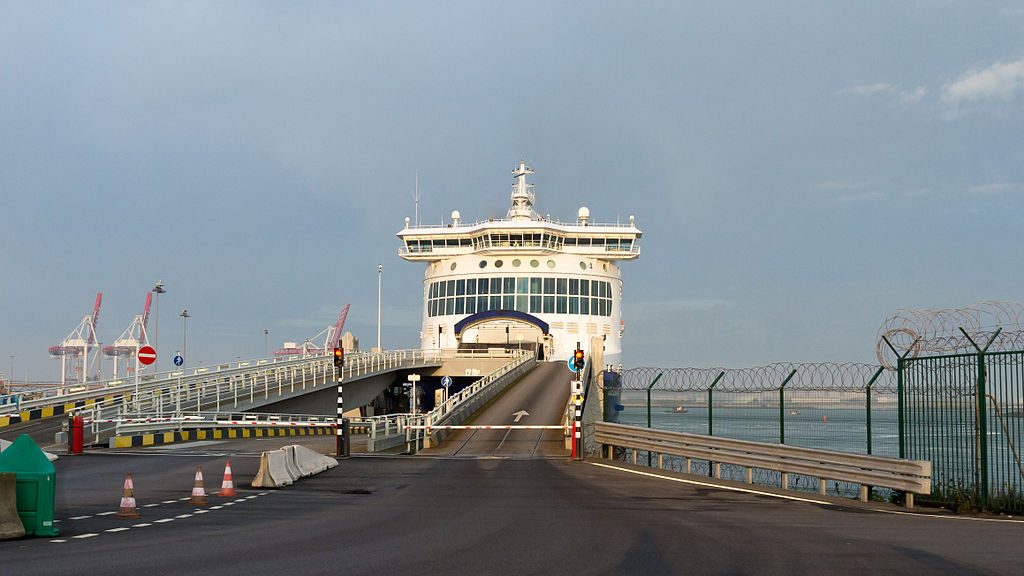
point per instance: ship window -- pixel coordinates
(508, 302)
(449, 306)
(584, 305)
(523, 303)
(584, 241)
(593, 306)
(574, 286)
(584, 288)
(522, 285)
(535, 304)
(574, 305)
(516, 263)
(495, 302)
(510, 285)
(433, 289)
(549, 285)
(471, 286)
(583, 265)
(451, 288)
(471, 305)
(570, 241)
(460, 305)
(534, 263)
(499, 263)
(549, 304)
(483, 263)
(535, 284)
(453, 266)
(561, 305)
(597, 241)
(432, 308)
(561, 286)
(440, 289)
(481, 287)
(595, 288)
(626, 245)
(495, 285)
(466, 242)
(460, 287)
(481, 303)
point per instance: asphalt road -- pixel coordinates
(543, 393)
(491, 514)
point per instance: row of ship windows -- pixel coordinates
(547, 241)
(520, 286)
(531, 304)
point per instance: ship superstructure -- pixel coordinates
(524, 281)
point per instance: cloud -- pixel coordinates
(995, 188)
(902, 95)
(1000, 81)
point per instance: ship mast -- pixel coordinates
(522, 195)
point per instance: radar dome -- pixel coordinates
(584, 213)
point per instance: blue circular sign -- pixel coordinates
(571, 363)
(446, 381)
(178, 360)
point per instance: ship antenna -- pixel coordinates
(522, 194)
(416, 198)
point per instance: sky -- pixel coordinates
(800, 170)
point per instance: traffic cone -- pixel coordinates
(227, 487)
(198, 492)
(128, 508)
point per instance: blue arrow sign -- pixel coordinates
(178, 360)
(446, 381)
(571, 363)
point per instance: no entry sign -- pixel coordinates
(147, 355)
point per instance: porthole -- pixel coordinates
(498, 263)
(516, 263)
(534, 263)
(453, 266)
(483, 263)
(583, 265)
(551, 263)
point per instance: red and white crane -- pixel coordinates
(331, 335)
(126, 347)
(77, 347)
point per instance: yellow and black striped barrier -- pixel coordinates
(60, 409)
(162, 438)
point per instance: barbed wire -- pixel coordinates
(828, 376)
(923, 332)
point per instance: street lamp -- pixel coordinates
(184, 336)
(10, 375)
(158, 289)
(265, 334)
(380, 272)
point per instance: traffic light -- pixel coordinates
(578, 360)
(339, 357)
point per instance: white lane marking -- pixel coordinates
(184, 516)
(183, 499)
(79, 517)
(170, 501)
(240, 500)
(215, 507)
(121, 529)
(162, 520)
(710, 485)
(107, 513)
(250, 497)
(201, 511)
(263, 493)
(89, 535)
(58, 541)
(143, 525)
(946, 517)
(229, 503)
(150, 505)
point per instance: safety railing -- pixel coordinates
(910, 476)
(135, 423)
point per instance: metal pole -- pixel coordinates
(867, 402)
(711, 403)
(380, 272)
(158, 289)
(265, 334)
(653, 382)
(782, 407)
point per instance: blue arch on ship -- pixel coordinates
(481, 317)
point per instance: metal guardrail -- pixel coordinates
(384, 429)
(910, 476)
(135, 423)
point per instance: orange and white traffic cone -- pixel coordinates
(198, 491)
(227, 487)
(128, 508)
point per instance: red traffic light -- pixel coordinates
(578, 359)
(339, 357)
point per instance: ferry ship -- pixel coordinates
(522, 282)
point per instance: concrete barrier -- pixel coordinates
(10, 522)
(285, 466)
(49, 455)
(310, 462)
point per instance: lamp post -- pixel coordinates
(184, 336)
(10, 376)
(380, 272)
(265, 334)
(158, 289)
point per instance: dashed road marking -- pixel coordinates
(183, 516)
(168, 501)
(151, 505)
(58, 541)
(229, 503)
(121, 529)
(162, 520)
(89, 535)
(107, 513)
(215, 507)
(202, 511)
(79, 517)
(143, 525)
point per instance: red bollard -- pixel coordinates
(77, 434)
